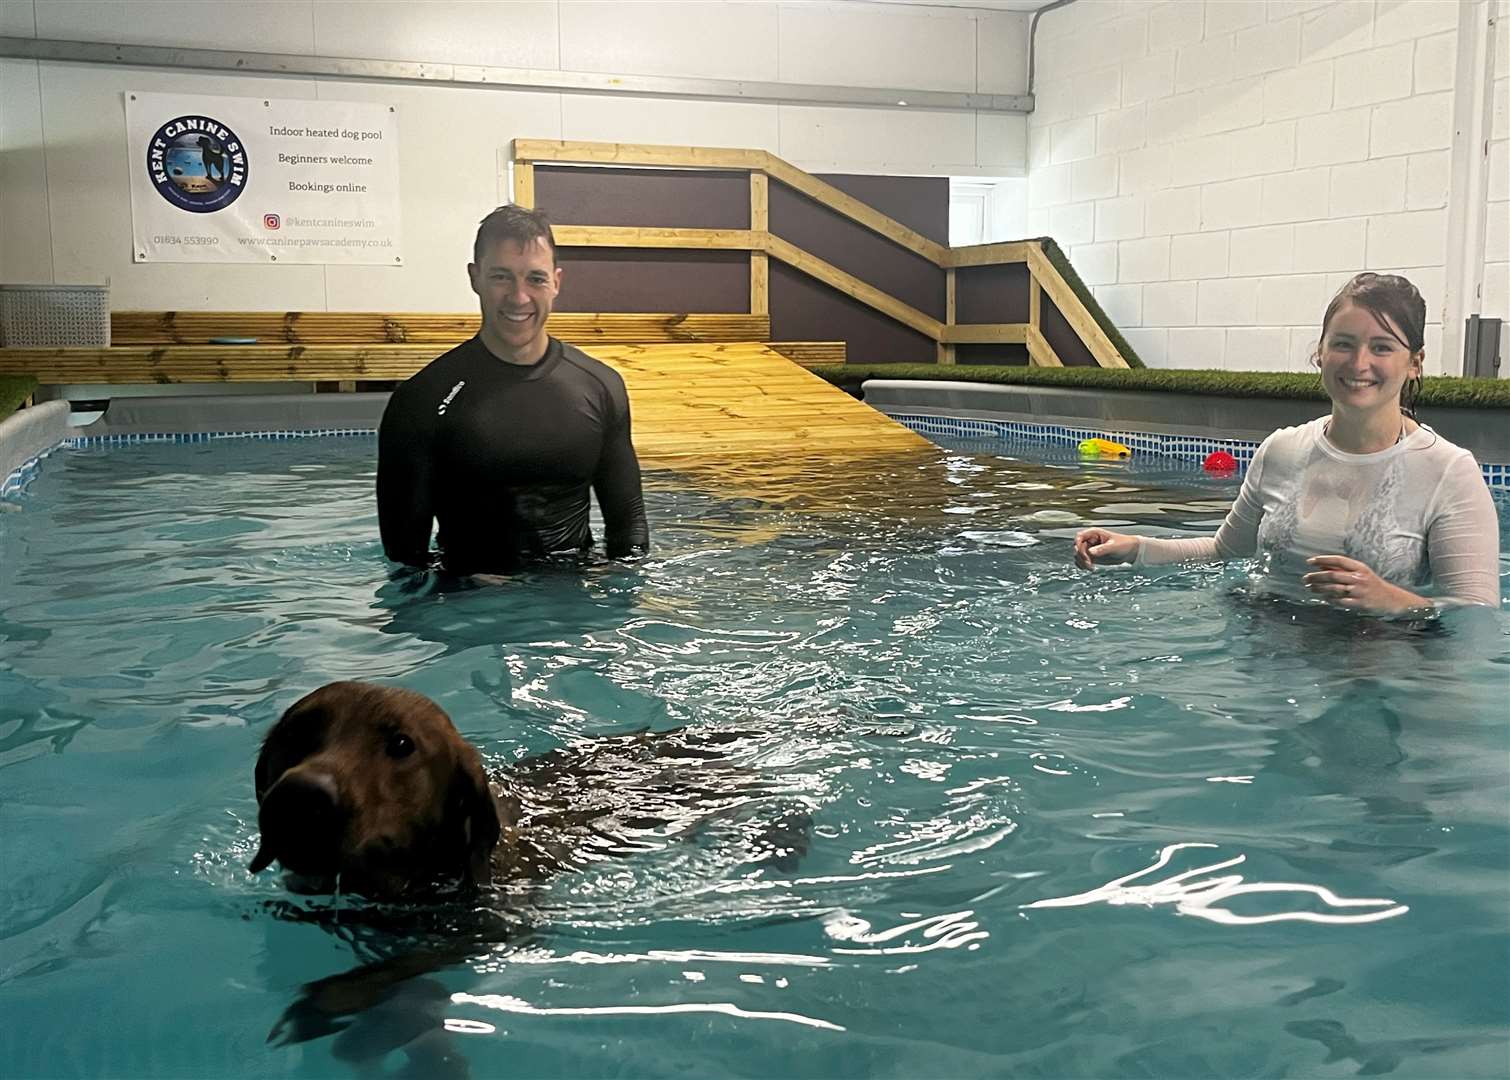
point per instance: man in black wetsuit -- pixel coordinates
(500, 439)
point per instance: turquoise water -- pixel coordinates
(1122, 824)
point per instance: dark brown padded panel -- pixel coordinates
(805, 309)
(1013, 355)
(621, 279)
(919, 202)
(648, 198)
(1066, 343)
(991, 294)
(857, 250)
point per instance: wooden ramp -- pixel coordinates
(706, 402)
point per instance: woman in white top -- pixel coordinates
(1362, 507)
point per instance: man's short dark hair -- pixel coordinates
(516, 223)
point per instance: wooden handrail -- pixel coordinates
(850, 285)
(1044, 277)
(370, 327)
(702, 157)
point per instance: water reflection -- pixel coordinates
(1203, 897)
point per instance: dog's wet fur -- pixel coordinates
(370, 790)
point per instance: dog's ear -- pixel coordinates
(472, 818)
(297, 734)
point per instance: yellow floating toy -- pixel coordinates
(1104, 448)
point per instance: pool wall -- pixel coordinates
(27, 435)
(1185, 426)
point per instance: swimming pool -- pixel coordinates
(1111, 825)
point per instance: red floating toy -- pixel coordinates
(1220, 461)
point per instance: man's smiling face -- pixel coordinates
(516, 286)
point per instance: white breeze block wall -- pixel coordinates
(1216, 169)
(64, 201)
(1497, 223)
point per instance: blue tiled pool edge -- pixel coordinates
(80, 441)
(1180, 447)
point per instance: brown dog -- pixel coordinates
(371, 789)
(374, 786)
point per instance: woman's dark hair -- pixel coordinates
(517, 223)
(1394, 302)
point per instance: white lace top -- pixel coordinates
(1416, 512)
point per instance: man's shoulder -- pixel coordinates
(443, 366)
(579, 360)
(415, 399)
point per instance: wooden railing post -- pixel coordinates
(945, 350)
(524, 184)
(760, 262)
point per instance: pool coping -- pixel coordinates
(1165, 428)
(26, 437)
(927, 407)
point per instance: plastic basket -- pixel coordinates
(38, 316)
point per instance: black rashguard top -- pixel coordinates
(502, 456)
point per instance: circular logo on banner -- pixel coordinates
(197, 164)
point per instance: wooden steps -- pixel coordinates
(721, 401)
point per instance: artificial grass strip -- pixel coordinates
(14, 389)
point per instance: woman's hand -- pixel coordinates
(1102, 547)
(1348, 583)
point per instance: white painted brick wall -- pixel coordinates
(1170, 303)
(1262, 252)
(1094, 178)
(1143, 260)
(1095, 263)
(1201, 256)
(1175, 210)
(1196, 347)
(1119, 219)
(1298, 91)
(1232, 205)
(1301, 195)
(1262, 152)
(1374, 76)
(1370, 187)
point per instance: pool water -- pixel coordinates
(1131, 823)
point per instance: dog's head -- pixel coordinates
(373, 786)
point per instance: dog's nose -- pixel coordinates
(302, 823)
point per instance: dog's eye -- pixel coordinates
(399, 745)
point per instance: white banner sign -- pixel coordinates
(238, 180)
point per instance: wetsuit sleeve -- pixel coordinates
(405, 492)
(617, 486)
(1462, 538)
(1237, 538)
